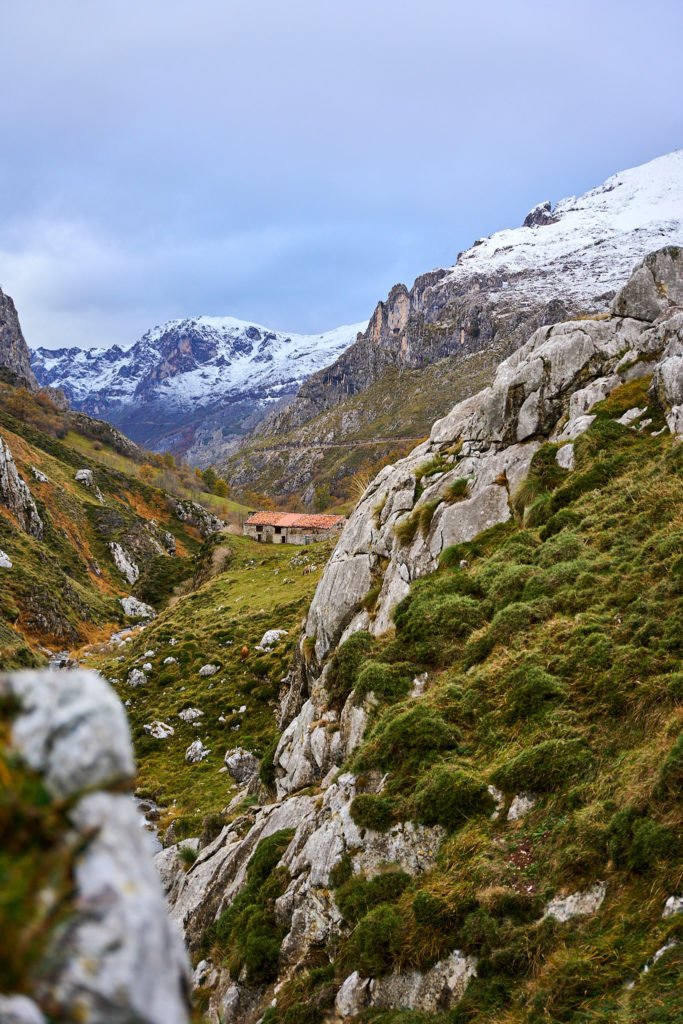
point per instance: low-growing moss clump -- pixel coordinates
(449, 796)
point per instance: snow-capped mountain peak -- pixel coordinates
(587, 245)
(183, 367)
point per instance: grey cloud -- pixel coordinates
(287, 162)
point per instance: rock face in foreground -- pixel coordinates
(448, 490)
(113, 956)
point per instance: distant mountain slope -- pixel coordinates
(564, 261)
(187, 379)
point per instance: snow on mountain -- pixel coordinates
(188, 381)
(192, 362)
(585, 246)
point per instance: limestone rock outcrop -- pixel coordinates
(115, 955)
(16, 496)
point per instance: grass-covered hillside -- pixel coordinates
(553, 650)
(62, 588)
(248, 589)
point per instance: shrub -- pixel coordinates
(369, 810)
(545, 767)
(425, 514)
(636, 843)
(513, 619)
(433, 912)
(344, 665)
(248, 931)
(457, 490)
(341, 872)
(382, 679)
(375, 943)
(531, 690)
(671, 773)
(406, 528)
(450, 796)
(479, 933)
(403, 736)
(564, 547)
(359, 895)
(429, 619)
(369, 602)
(267, 767)
(505, 583)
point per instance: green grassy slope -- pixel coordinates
(257, 587)
(554, 669)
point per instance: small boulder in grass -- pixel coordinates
(242, 765)
(135, 609)
(136, 677)
(159, 730)
(208, 670)
(190, 714)
(270, 638)
(196, 752)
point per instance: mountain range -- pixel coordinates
(278, 412)
(187, 379)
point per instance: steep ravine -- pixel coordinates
(393, 870)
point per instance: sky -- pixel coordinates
(288, 161)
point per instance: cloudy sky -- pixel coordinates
(287, 161)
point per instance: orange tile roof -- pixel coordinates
(306, 522)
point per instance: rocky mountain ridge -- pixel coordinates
(564, 261)
(467, 479)
(15, 357)
(186, 380)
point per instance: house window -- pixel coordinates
(259, 529)
(278, 529)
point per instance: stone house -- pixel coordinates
(291, 528)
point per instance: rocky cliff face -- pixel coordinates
(108, 951)
(14, 354)
(465, 479)
(190, 386)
